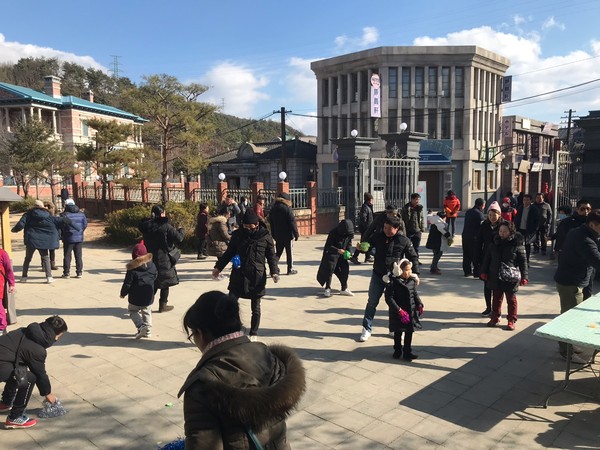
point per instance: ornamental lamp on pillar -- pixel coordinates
(221, 188)
(282, 185)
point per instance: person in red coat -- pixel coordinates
(507, 212)
(452, 207)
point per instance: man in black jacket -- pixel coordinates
(365, 218)
(284, 229)
(27, 346)
(390, 246)
(473, 219)
(527, 222)
(545, 213)
(578, 259)
(414, 220)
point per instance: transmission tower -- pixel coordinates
(115, 66)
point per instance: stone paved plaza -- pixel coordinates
(472, 387)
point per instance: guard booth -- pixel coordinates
(6, 196)
(391, 179)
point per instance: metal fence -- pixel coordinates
(118, 193)
(176, 195)
(154, 195)
(135, 194)
(205, 195)
(237, 193)
(330, 197)
(298, 198)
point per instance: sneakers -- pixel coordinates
(165, 308)
(487, 312)
(20, 422)
(142, 332)
(327, 292)
(492, 323)
(409, 356)
(4, 407)
(65, 275)
(54, 267)
(253, 338)
(49, 280)
(79, 275)
(354, 260)
(347, 292)
(292, 272)
(23, 279)
(365, 335)
(510, 326)
(370, 260)
(147, 335)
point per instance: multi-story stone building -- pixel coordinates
(451, 93)
(67, 116)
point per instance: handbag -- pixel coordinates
(174, 255)
(19, 375)
(509, 274)
(8, 302)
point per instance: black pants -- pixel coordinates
(29, 251)
(468, 247)
(487, 294)
(202, 247)
(407, 347)
(416, 241)
(18, 398)
(341, 271)
(541, 239)
(164, 294)
(76, 249)
(286, 245)
(451, 226)
(255, 319)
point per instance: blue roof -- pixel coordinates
(68, 101)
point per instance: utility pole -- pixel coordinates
(570, 118)
(282, 111)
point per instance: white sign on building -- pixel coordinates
(375, 96)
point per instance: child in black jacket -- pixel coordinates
(405, 308)
(139, 287)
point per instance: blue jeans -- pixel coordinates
(376, 289)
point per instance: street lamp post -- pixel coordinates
(489, 159)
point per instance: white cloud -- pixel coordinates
(237, 86)
(300, 81)
(535, 74)
(308, 125)
(369, 37)
(551, 22)
(518, 20)
(11, 52)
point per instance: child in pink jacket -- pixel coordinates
(6, 276)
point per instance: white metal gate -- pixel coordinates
(392, 180)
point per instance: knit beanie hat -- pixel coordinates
(139, 250)
(494, 207)
(39, 204)
(69, 201)
(250, 217)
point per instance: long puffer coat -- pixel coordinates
(240, 385)
(160, 237)
(255, 250)
(41, 228)
(218, 236)
(510, 251)
(282, 220)
(402, 293)
(339, 238)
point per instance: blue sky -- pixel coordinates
(255, 56)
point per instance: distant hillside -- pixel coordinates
(232, 131)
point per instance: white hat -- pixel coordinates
(69, 201)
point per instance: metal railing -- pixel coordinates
(154, 195)
(118, 193)
(237, 193)
(298, 198)
(135, 194)
(330, 197)
(205, 195)
(176, 195)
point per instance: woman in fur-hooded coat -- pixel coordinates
(332, 262)
(218, 237)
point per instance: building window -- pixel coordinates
(364, 86)
(459, 82)
(445, 124)
(393, 82)
(374, 127)
(335, 91)
(325, 131)
(475, 83)
(406, 118)
(432, 126)
(392, 121)
(344, 89)
(419, 120)
(354, 86)
(432, 91)
(406, 82)
(419, 82)
(477, 186)
(354, 121)
(345, 126)
(458, 124)
(446, 82)
(334, 127)
(85, 129)
(491, 180)
(325, 93)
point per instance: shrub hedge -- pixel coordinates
(22, 206)
(122, 226)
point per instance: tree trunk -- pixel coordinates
(103, 203)
(164, 177)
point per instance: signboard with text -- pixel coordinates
(375, 96)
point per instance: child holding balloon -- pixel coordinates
(336, 254)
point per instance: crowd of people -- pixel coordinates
(497, 244)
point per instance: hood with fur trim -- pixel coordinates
(139, 261)
(215, 219)
(246, 383)
(284, 201)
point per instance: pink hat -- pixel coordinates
(139, 250)
(494, 207)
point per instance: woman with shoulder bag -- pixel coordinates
(161, 239)
(504, 269)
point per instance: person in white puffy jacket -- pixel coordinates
(439, 239)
